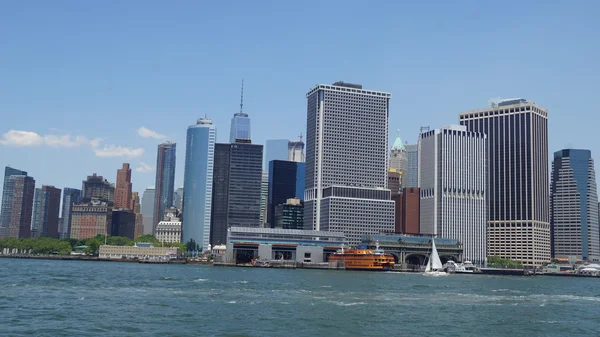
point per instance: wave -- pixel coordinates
(344, 304)
(243, 282)
(200, 280)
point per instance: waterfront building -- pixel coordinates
(96, 187)
(141, 250)
(296, 150)
(123, 223)
(412, 166)
(574, 206)
(245, 244)
(394, 181)
(90, 219)
(136, 207)
(70, 196)
(264, 193)
(169, 229)
(17, 204)
(198, 182)
(46, 212)
(407, 210)
(237, 181)
(148, 209)
(165, 180)
(286, 180)
(347, 161)
(452, 177)
(289, 215)
(518, 204)
(123, 187)
(399, 162)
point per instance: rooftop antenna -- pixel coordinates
(242, 98)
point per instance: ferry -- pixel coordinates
(363, 259)
(461, 268)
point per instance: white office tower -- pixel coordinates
(347, 161)
(452, 176)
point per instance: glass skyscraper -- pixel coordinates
(240, 127)
(165, 181)
(198, 182)
(70, 196)
(148, 210)
(286, 181)
(574, 206)
(17, 204)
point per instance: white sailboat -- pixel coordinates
(434, 266)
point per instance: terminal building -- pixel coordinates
(245, 244)
(142, 251)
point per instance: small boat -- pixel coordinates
(364, 259)
(434, 265)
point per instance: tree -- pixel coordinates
(93, 246)
(498, 262)
(148, 238)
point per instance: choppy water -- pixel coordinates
(74, 298)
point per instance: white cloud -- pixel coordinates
(144, 168)
(118, 151)
(30, 138)
(147, 133)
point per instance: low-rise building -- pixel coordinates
(142, 251)
(289, 215)
(169, 230)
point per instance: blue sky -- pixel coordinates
(78, 79)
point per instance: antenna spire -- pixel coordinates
(242, 98)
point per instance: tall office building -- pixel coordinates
(452, 177)
(198, 182)
(399, 160)
(574, 206)
(92, 218)
(96, 187)
(237, 181)
(136, 207)
(289, 215)
(123, 188)
(286, 181)
(412, 166)
(394, 182)
(296, 150)
(408, 211)
(70, 196)
(46, 211)
(17, 204)
(148, 209)
(178, 199)
(264, 193)
(518, 202)
(122, 223)
(347, 161)
(165, 181)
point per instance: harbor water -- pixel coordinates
(78, 298)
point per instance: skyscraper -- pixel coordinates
(178, 199)
(286, 181)
(165, 181)
(70, 196)
(17, 204)
(452, 177)
(296, 150)
(123, 188)
(412, 166)
(46, 211)
(236, 188)
(91, 218)
(148, 209)
(517, 178)
(96, 187)
(198, 182)
(399, 160)
(264, 193)
(240, 127)
(347, 161)
(574, 206)
(137, 211)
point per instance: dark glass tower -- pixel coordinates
(286, 181)
(517, 178)
(165, 181)
(70, 196)
(17, 204)
(237, 178)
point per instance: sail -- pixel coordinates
(436, 263)
(428, 267)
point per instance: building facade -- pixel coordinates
(165, 180)
(408, 211)
(17, 204)
(237, 181)
(394, 181)
(574, 206)
(123, 223)
(48, 212)
(286, 180)
(289, 215)
(452, 176)
(123, 187)
(347, 161)
(91, 219)
(170, 228)
(412, 165)
(137, 211)
(198, 182)
(142, 251)
(264, 193)
(96, 187)
(148, 209)
(240, 128)
(36, 213)
(518, 202)
(399, 162)
(296, 150)
(70, 196)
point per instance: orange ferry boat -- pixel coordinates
(363, 259)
